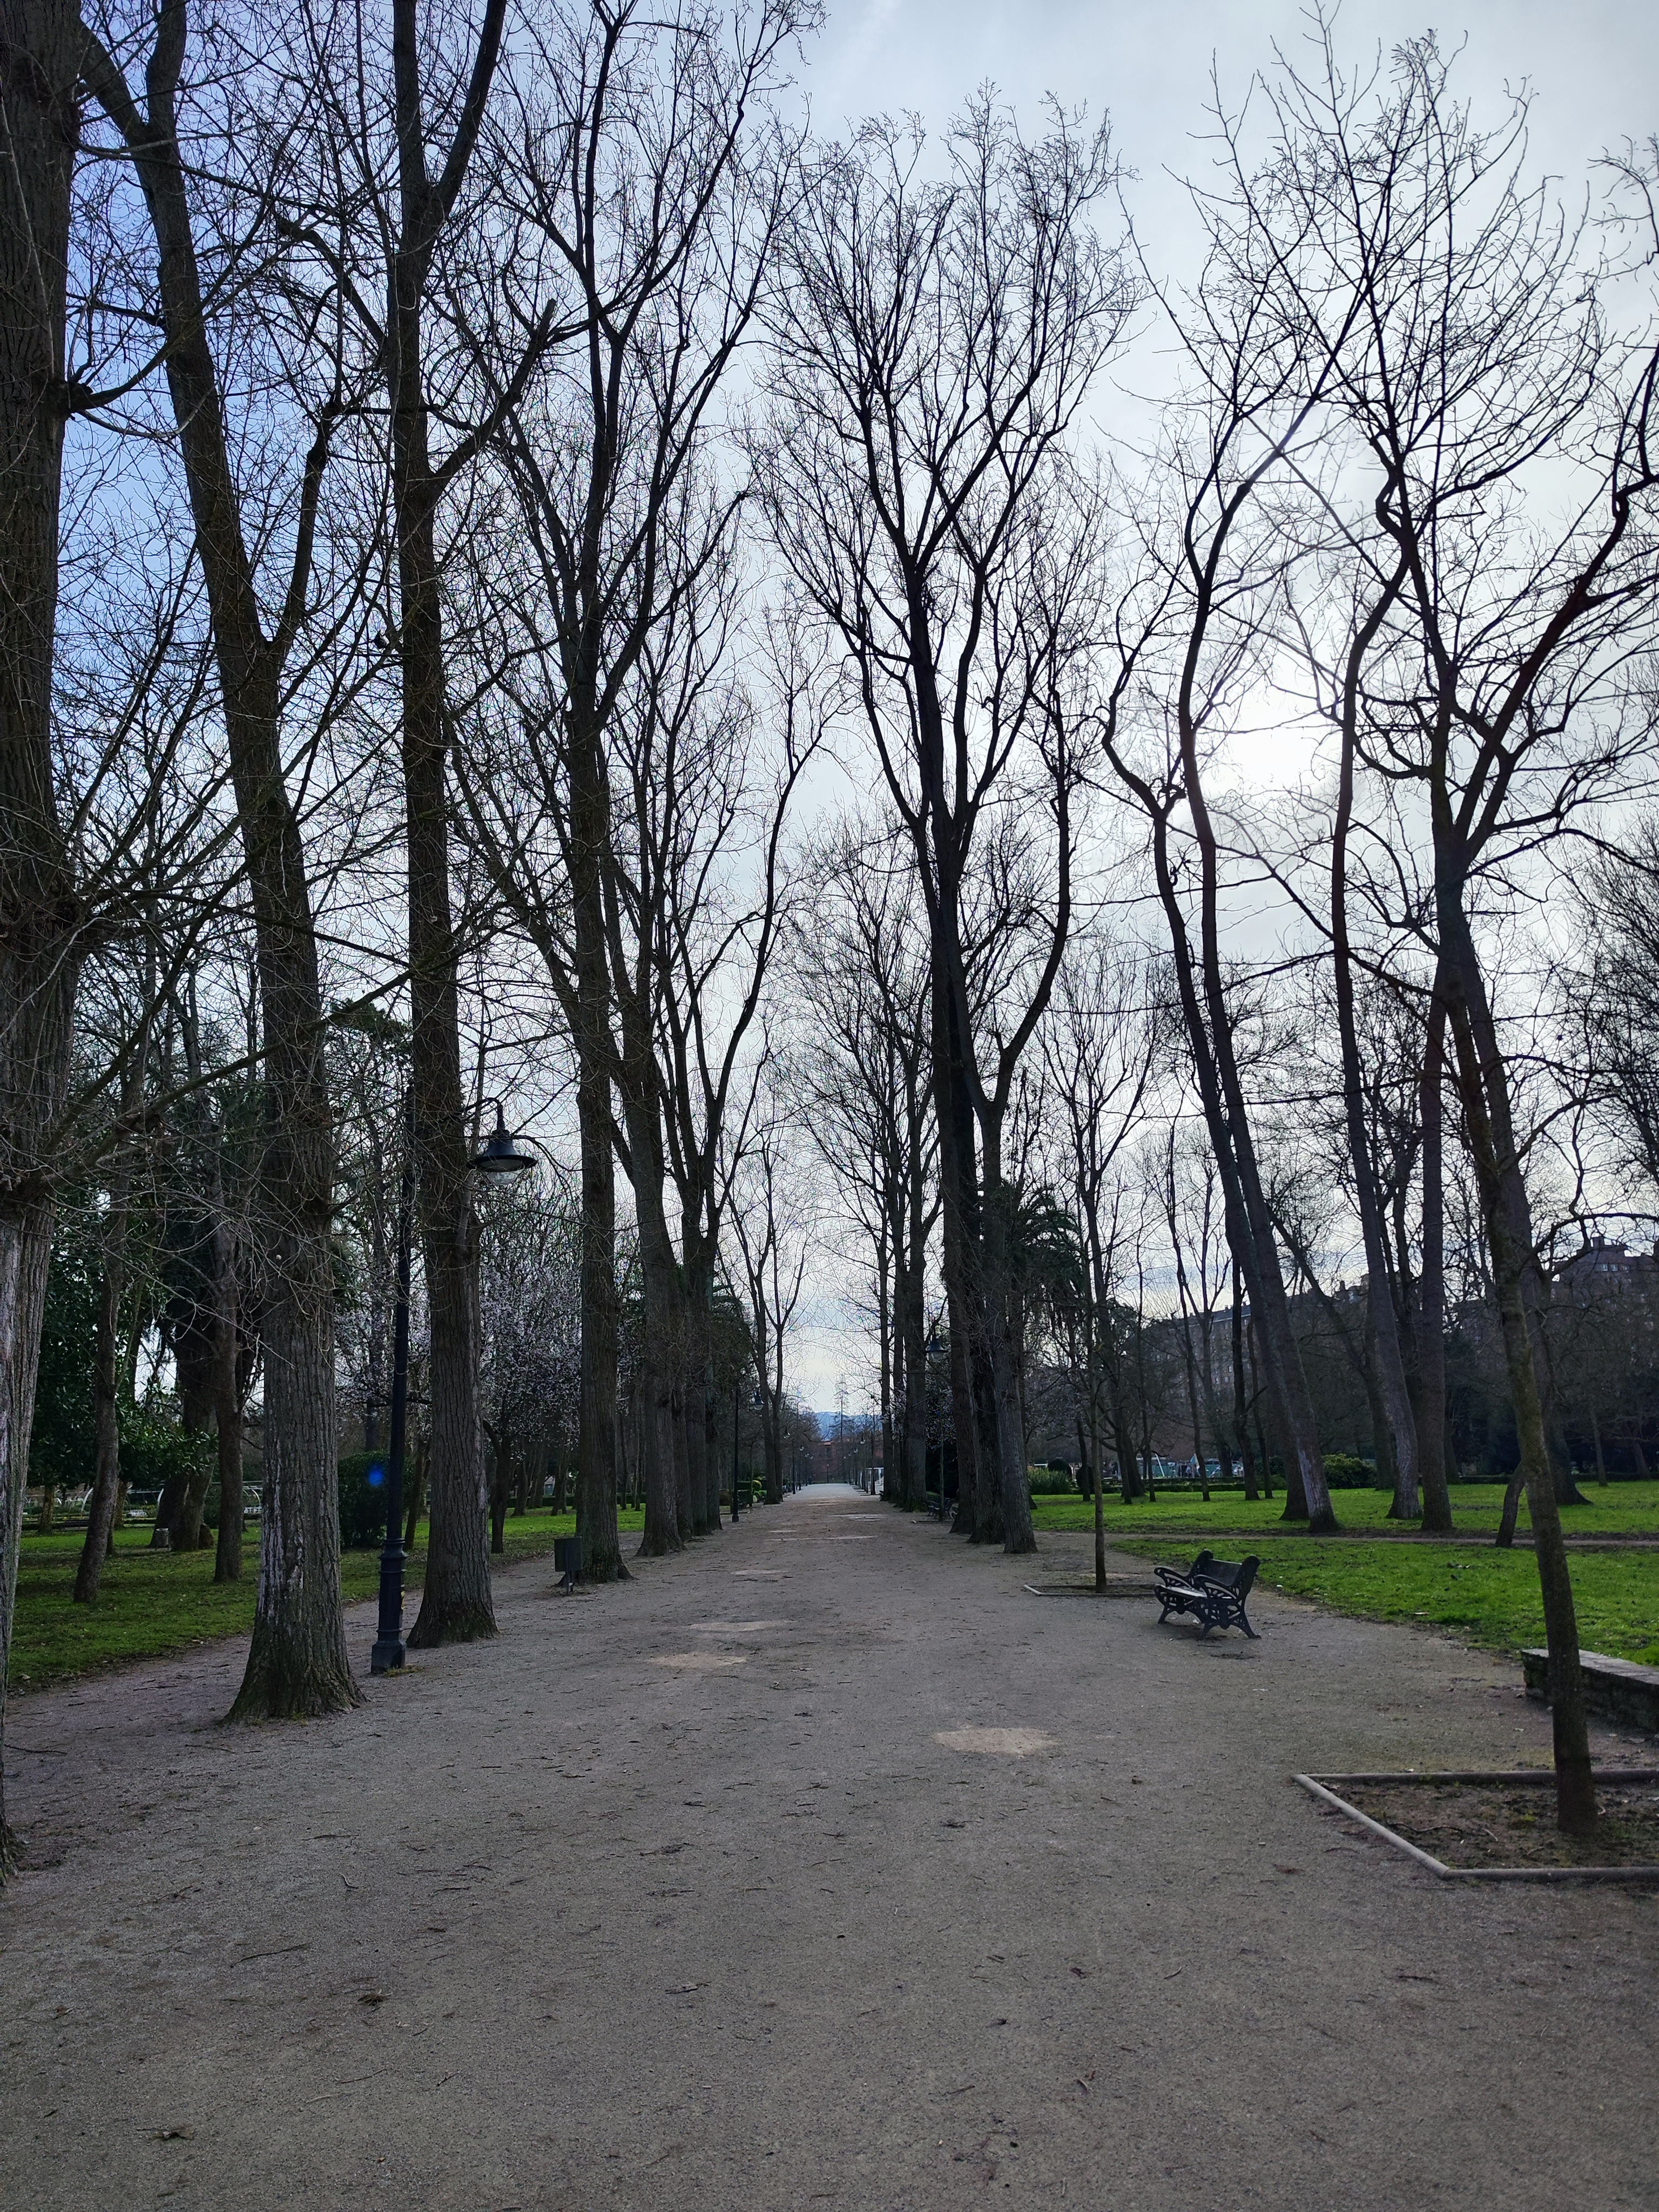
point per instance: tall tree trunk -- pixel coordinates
(105, 1402)
(1201, 985)
(664, 1530)
(688, 1501)
(1399, 1427)
(1100, 1480)
(1484, 1083)
(192, 1515)
(958, 1220)
(1241, 1411)
(193, 1358)
(38, 955)
(228, 1409)
(1596, 1439)
(1199, 1463)
(1430, 1307)
(501, 1494)
(696, 1302)
(456, 1602)
(885, 1361)
(1013, 1494)
(596, 1445)
(914, 1492)
(297, 1661)
(1123, 1437)
(913, 1318)
(193, 1504)
(1509, 1512)
(979, 1456)
(416, 1491)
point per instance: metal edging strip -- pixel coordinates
(1316, 1788)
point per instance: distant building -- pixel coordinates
(1605, 1265)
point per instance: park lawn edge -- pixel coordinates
(35, 1668)
(1617, 1595)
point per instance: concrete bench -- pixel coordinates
(1618, 1689)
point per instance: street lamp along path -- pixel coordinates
(503, 1154)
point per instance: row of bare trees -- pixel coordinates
(511, 467)
(1402, 500)
(347, 318)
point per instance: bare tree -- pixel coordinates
(298, 1662)
(650, 198)
(860, 1065)
(770, 1220)
(1100, 1046)
(1219, 542)
(933, 345)
(37, 942)
(1492, 672)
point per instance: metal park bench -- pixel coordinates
(1213, 1590)
(568, 1558)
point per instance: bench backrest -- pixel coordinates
(1203, 1565)
(1236, 1576)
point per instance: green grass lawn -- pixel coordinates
(1622, 1509)
(1488, 1596)
(156, 1602)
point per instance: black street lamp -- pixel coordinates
(500, 1156)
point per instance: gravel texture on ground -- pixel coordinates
(823, 1865)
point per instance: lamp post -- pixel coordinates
(500, 1156)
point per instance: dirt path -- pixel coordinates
(709, 1892)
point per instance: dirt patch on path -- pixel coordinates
(1500, 1824)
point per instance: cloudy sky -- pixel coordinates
(1592, 68)
(1594, 64)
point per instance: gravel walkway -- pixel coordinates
(824, 1865)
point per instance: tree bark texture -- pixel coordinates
(38, 916)
(456, 1603)
(228, 1407)
(664, 1530)
(1013, 1495)
(596, 1443)
(1484, 1084)
(1430, 1318)
(1240, 1417)
(297, 1663)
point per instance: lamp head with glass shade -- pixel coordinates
(502, 1155)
